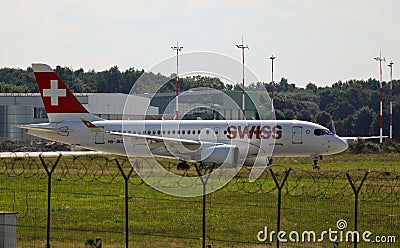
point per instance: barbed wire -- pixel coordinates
(380, 185)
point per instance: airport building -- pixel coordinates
(212, 104)
(25, 108)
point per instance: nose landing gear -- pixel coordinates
(315, 159)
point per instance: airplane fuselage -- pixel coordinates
(280, 138)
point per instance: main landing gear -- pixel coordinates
(182, 165)
(315, 159)
(270, 161)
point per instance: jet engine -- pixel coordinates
(220, 154)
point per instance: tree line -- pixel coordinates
(353, 104)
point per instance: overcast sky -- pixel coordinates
(314, 41)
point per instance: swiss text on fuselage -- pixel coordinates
(254, 132)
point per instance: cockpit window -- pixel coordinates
(319, 132)
(328, 132)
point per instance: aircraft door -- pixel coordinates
(99, 137)
(297, 135)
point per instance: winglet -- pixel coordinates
(91, 126)
(333, 127)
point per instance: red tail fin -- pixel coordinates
(56, 96)
(58, 100)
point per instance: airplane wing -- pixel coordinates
(155, 141)
(43, 129)
(355, 138)
(363, 138)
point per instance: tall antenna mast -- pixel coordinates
(391, 110)
(273, 83)
(243, 46)
(380, 59)
(177, 48)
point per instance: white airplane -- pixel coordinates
(247, 142)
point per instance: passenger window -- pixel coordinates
(183, 131)
(173, 131)
(158, 132)
(198, 131)
(168, 132)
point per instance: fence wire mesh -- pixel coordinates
(87, 201)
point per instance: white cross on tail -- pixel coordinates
(54, 92)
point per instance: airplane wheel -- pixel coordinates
(270, 161)
(315, 165)
(183, 166)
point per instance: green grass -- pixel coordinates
(88, 202)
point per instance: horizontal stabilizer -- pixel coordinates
(91, 126)
(43, 129)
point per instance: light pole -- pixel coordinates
(380, 59)
(391, 110)
(273, 84)
(242, 46)
(176, 48)
(272, 74)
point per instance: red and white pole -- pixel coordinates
(243, 96)
(391, 110)
(178, 49)
(380, 104)
(177, 87)
(380, 59)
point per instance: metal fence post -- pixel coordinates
(126, 180)
(279, 187)
(356, 192)
(49, 173)
(204, 182)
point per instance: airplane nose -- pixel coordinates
(340, 145)
(337, 145)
